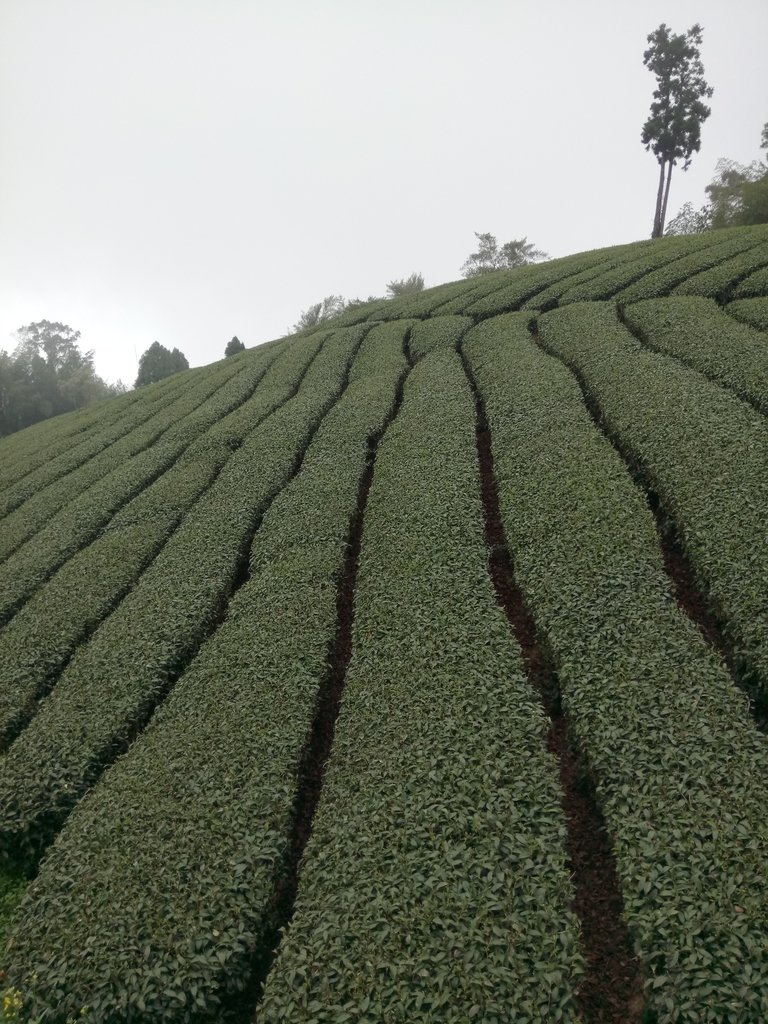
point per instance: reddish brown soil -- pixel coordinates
(612, 990)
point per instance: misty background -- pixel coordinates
(188, 170)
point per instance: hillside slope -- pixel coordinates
(413, 668)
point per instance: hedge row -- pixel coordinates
(80, 521)
(705, 454)
(113, 683)
(678, 767)
(660, 253)
(755, 285)
(173, 859)
(723, 279)
(42, 505)
(723, 245)
(58, 463)
(751, 311)
(529, 284)
(437, 332)
(64, 612)
(29, 449)
(550, 296)
(696, 331)
(434, 884)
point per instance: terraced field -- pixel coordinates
(414, 668)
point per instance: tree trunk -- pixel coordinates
(659, 198)
(666, 197)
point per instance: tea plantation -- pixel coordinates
(412, 668)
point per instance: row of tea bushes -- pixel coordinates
(661, 253)
(184, 839)
(40, 505)
(434, 885)
(720, 281)
(56, 454)
(750, 311)
(27, 450)
(755, 285)
(439, 332)
(722, 245)
(702, 450)
(696, 331)
(62, 518)
(114, 682)
(678, 767)
(43, 635)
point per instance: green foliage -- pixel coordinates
(677, 765)
(44, 634)
(123, 529)
(406, 286)
(673, 128)
(751, 311)
(696, 256)
(696, 331)
(58, 520)
(163, 620)
(721, 280)
(439, 332)
(439, 834)
(705, 453)
(689, 221)
(330, 307)
(234, 346)
(628, 271)
(47, 375)
(490, 257)
(220, 756)
(159, 362)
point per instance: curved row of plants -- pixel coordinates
(434, 885)
(678, 767)
(219, 760)
(27, 450)
(44, 634)
(698, 333)
(62, 518)
(704, 453)
(751, 311)
(113, 683)
(38, 496)
(723, 281)
(29, 466)
(723, 245)
(754, 285)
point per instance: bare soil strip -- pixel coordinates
(319, 743)
(612, 990)
(689, 596)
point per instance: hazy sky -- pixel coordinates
(186, 170)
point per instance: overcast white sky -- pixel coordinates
(186, 170)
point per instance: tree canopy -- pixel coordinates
(405, 286)
(331, 306)
(736, 196)
(158, 362)
(234, 346)
(673, 128)
(47, 374)
(490, 256)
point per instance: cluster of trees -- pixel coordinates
(158, 362)
(736, 196)
(47, 374)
